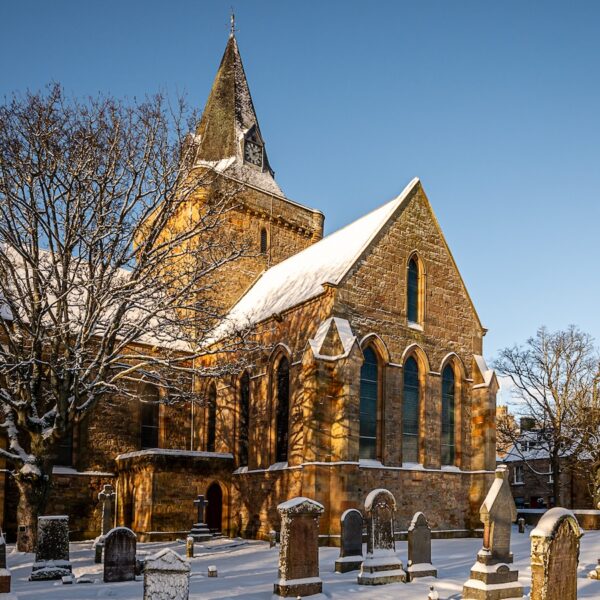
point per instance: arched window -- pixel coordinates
(244, 419)
(264, 241)
(211, 418)
(149, 409)
(448, 404)
(412, 293)
(282, 389)
(369, 395)
(410, 412)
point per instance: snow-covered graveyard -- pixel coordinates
(247, 570)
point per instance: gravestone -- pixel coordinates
(351, 555)
(166, 577)
(119, 555)
(381, 564)
(521, 524)
(189, 547)
(491, 576)
(107, 497)
(52, 550)
(554, 556)
(419, 548)
(2, 551)
(200, 531)
(299, 549)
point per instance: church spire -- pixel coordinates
(229, 135)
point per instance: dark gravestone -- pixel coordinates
(521, 524)
(350, 559)
(554, 556)
(52, 551)
(299, 550)
(107, 497)
(119, 555)
(2, 551)
(200, 531)
(419, 548)
(381, 564)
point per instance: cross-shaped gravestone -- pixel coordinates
(201, 503)
(107, 497)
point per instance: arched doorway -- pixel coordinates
(214, 510)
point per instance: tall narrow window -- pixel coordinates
(369, 393)
(412, 304)
(244, 417)
(211, 419)
(64, 450)
(448, 403)
(149, 409)
(264, 241)
(410, 412)
(283, 410)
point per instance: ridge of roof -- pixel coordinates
(301, 277)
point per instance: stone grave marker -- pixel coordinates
(419, 548)
(2, 551)
(491, 577)
(52, 550)
(351, 556)
(189, 547)
(299, 549)
(521, 524)
(119, 555)
(554, 556)
(107, 497)
(166, 577)
(200, 531)
(381, 564)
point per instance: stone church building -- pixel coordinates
(370, 374)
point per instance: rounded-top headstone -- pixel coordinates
(119, 555)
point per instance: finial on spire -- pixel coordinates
(232, 20)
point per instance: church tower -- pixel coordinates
(229, 144)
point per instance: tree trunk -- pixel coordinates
(556, 483)
(33, 494)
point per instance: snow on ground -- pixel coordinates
(247, 570)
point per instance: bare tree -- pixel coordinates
(553, 377)
(109, 267)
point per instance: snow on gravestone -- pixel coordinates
(419, 548)
(381, 564)
(299, 549)
(166, 577)
(554, 556)
(52, 550)
(351, 556)
(491, 578)
(119, 555)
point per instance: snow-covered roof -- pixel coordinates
(301, 277)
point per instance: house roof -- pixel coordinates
(301, 277)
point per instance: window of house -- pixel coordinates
(410, 412)
(211, 418)
(369, 395)
(518, 474)
(64, 450)
(448, 404)
(244, 419)
(282, 391)
(264, 241)
(149, 409)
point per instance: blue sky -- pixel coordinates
(494, 105)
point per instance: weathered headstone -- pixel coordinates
(299, 549)
(272, 539)
(189, 547)
(119, 555)
(381, 564)
(419, 548)
(107, 497)
(491, 577)
(554, 556)
(52, 550)
(166, 577)
(98, 547)
(351, 555)
(521, 524)
(200, 531)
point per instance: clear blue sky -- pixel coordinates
(494, 105)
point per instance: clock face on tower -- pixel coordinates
(253, 154)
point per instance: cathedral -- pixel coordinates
(369, 375)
